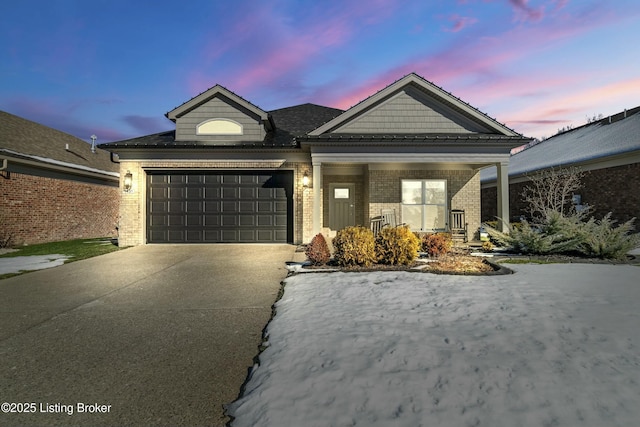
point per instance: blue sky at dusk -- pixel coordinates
(114, 68)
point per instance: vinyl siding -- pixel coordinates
(408, 112)
(219, 108)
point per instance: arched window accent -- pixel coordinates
(219, 127)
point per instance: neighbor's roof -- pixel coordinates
(24, 139)
(289, 123)
(614, 135)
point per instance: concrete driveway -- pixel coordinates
(150, 335)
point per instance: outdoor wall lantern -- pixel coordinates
(128, 182)
(305, 180)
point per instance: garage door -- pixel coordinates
(220, 207)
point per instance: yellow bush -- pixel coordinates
(354, 246)
(397, 245)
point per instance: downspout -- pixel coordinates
(5, 165)
(111, 156)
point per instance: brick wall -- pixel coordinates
(463, 191)
(37, 209)
(612, 190)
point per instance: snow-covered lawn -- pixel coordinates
(30, 263)
(552, 345)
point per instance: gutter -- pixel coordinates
(58, 167)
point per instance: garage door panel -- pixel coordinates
(195, 193)
(265, 193)
(194, 236)
(176, 221)
(229, 221)
(247, 193)
(195, 221)
(158, 220)
(212, 221)
(230, 192)
(213, 207)
(246, 221)
(175, 207)
(230, 179)
(220, 206)
(194, 179)
(229, 207)
(211, 193)
(264, 207)
(175, 236)
(280, 207)
(228, 235)
(265, 220)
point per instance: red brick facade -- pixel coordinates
(36, 209)
(612, 190)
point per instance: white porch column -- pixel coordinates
(317, 195)
(503, 196)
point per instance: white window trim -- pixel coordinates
(446, 203)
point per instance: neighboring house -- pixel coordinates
(53, 186)
(232, 172)
(608, 150)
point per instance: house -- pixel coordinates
(608, 150)
(232, 172)
(53, 186)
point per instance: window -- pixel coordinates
(219, 127)
(424, 204)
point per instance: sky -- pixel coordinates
(114, 68)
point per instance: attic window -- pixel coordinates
(219, 127)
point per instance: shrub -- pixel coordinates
(487, 246)
(354, 246)
(436, 244)
(601, 239)
(397, 245)
(318, 251)
(560, 234)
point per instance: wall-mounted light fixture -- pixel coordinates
(305, 180)
(128, 182)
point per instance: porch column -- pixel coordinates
(503, 196)
(317, 195)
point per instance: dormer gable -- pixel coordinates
(219, 115)
(413, 106)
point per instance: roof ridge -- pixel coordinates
(609, 120)
(207, 90)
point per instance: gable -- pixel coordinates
(412, 105)
(219, 119)
(410, 111)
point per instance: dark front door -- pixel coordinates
(220, 207)
(342, 211)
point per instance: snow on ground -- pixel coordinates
(29, 263)
(552, 345)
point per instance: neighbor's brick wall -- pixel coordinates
(612, 190)
(463, 192)
(133, 204)
(36, 209)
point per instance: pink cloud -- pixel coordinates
(287, 46)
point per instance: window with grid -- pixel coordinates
(424, 204)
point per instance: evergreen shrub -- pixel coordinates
(318, 251)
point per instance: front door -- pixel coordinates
(342, 211)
